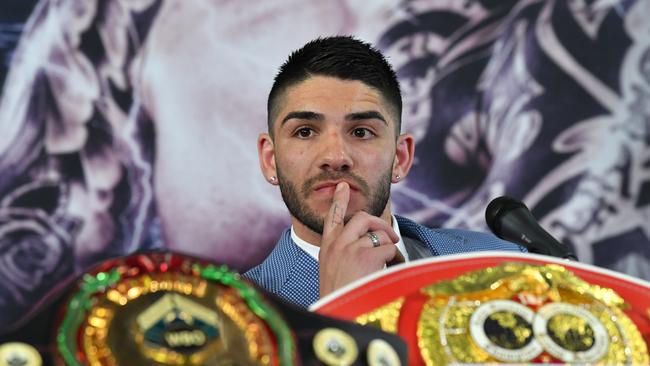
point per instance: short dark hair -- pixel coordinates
(344, 57)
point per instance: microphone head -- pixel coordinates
(499, 207)
(511, 220)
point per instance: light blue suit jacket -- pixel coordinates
(292, 274)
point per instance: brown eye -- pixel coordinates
(304, 132)
(362, 133)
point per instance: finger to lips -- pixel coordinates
(334, 224)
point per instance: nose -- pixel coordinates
(335, 153)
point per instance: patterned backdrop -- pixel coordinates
(131, 124)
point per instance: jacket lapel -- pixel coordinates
(438, 243)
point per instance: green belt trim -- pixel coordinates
(82, 301)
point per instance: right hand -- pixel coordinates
(346, 251)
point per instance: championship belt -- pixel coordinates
(168, 309)
(503, 308)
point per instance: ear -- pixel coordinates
(266, 155)
(404, 153)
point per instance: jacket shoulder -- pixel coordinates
(476, 240)
(452, 241)
(287, 272)
(273, 272)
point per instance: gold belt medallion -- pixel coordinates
(186, 315)
(522, 313)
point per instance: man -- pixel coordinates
(334, 147)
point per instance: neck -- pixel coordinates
(315, 238)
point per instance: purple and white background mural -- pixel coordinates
(130, 125)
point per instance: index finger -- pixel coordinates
(334, 223)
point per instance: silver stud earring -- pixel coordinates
(398, 177)
(272, 179)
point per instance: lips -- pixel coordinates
(331, 185)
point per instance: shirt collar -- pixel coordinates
(313, 250)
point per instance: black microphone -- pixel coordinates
(511, 220)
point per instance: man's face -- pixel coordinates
(330, 130)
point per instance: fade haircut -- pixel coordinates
(343, 57)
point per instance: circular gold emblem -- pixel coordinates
(17, 353)
(570, 333)
(334, 347)
(166, 309)
(504, 329)
(381, 353)
(517, 313)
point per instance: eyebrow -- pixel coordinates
(313, 116)
(305, 115)
(358, 116)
